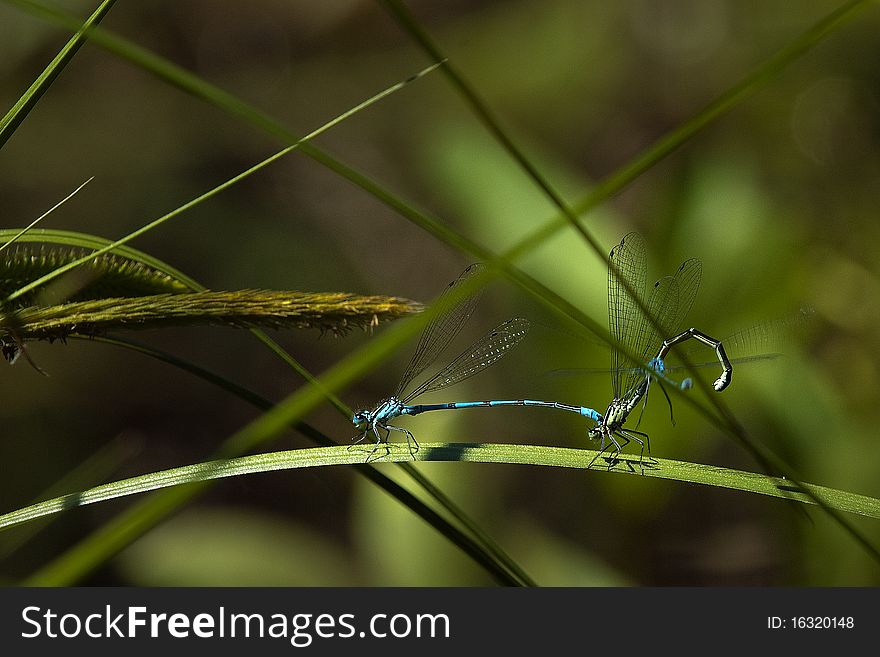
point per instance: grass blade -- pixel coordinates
(13, 118)
(44, 237)
(17, 236)
(559, 457)
(102, 463)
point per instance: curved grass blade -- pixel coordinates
(102, 463)
(472, 452)
(70, 238)
(53, 237)
(108, 275)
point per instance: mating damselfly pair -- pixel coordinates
(644, 327)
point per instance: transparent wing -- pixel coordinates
(593, 371)
(766, 339)
(453, 314)
(763, 341)
(624, 317)
(671, 299)
(486, 351)
(662, 303)
(689, 276)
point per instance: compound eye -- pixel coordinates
(657, 365)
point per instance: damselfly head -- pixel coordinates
(595, 433)
(657, 365)
(361, 420)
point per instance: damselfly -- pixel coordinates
(452, 314)
(669, 301)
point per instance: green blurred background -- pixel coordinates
(778, 198)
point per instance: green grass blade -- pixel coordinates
(108, 275)
(53, 236)
(161, 68)
(102, 463)
(559, 457)
(13, 118)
